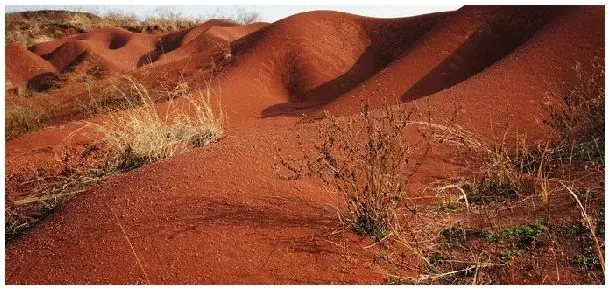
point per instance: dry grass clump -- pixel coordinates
(498, 178)
(84, 93)
(130, 139)
(28, 110)
(23, 118)
(167, 20)
(368, 161)
(106, 92)
(49, 193)
(112, 93)
(504, 172)
(578, 118)
(117, 18)
(139, 136)
(19, 37)
(238, 15)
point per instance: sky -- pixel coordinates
(268, 13)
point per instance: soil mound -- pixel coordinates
(118, 50)
(27, 69)
(465, 44)
(311, 58)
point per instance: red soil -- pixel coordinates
(221, 214)
(29, 67)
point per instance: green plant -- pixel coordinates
(587, 257)
(509, 254)
(519, 236)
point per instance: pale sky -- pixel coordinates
(268, 13)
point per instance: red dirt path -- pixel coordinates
(220, 214)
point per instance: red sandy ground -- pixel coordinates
(220, 214)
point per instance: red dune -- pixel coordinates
(29, 70)
(202, 43)
(220, 214)
(121, 50)
(469, 41)
(513, 88)
(308, 59)
(116, 49)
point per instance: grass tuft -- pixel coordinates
(132, 138)
(578, 118)
(23, 118)
(140, 136)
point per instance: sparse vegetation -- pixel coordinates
(459, 236)
(131, 138)
(507, 175)
(591, 226)
(29, 28)
(579, 117)
(368, 161)
(511, 215)
(504, 172)
(23, 118)
(30, 111)
(128, 21)
(48, 194)
(519, 236)
(238, 14)
(139, 136)
(167, 19)
(111, 94)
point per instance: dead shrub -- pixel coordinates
(368, 161)
(578, 118)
